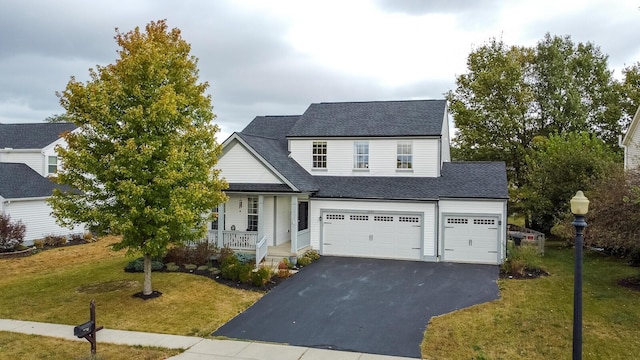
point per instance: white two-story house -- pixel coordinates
(363, 179)
(27, 159)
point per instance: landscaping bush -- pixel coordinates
(312, 254)
(137, 265)
(77, 237)
(521, 257)
(232, 269)
(283, 269)
(261, 276)
(199, 255)
(304, 261)
(54, 240)
(224, 253)
(39, 244)
(246, 258)
(11, 233)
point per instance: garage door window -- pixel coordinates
(484, 222)
(359, 217)
(413, 219)
(382, 218)
(457, 221)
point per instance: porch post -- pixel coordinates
(294, 224)
(260, 217)
(221, 211)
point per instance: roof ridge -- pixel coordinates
(377, 101)
(259, 136)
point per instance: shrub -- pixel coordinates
(39, 244)
(201, 254)
(228, 268)
(11, 233)
(245, 272)
(77, 237)
(283, 269)
(88, 236)
(246, 258)
(225, 252)
(261, 276)
(520, 258)
(304, 261)
(312, 254)
(137, 265)
(54, 240)
(177, 255)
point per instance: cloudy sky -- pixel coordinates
(276, 57)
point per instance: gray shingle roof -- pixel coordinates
(267, 136)
(259, 187)
(32, 136)
(376, 118)
(20, 181)
(485, 180)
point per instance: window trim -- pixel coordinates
(404, 158)
(252, 205)
(319, 155)
(361, 158)
(49, 164)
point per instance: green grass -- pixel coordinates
(27, 347)
(533, 318)
(57, 285)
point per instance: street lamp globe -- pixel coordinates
(579, 204)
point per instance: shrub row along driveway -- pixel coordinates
(365, 305)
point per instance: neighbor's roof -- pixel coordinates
(487, 180)
(372, 119)
(20, 181)
(32, 136)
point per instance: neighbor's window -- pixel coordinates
(319, 154)
(405, 155)
(52, 164)
(361, 155)
(252, 214)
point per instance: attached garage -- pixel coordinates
(372, 234)
(471, 238)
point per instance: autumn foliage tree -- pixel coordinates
(142, 160)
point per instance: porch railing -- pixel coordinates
(261, 250)
(240, 240)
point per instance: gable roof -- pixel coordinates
(32, 136)
(266, 136)
(632, 129)
(20, 181)
(372, 119)
(485, 180)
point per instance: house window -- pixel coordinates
(252, 214)
(303, 215)
(52, 164)
(319, 154)
(361, 155)
(215, 213)
(405, 155)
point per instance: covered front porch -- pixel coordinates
(262, 223)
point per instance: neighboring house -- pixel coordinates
(364, 179)
(631, 144)
(27, 158)
(23, 194)
(33, 144)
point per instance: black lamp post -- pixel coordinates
(579, 207)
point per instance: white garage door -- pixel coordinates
(380, 235)
(471, 239)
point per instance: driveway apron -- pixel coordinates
(365, 305)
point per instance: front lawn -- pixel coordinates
(533, 318)
(57, 285)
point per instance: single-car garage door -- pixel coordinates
(372, 234)
(471, 239)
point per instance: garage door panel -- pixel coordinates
(471, 239)
(372, 235)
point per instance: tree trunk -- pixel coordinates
(147, 290)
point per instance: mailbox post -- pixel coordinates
(88, 330)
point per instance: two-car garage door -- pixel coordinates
(372, 234)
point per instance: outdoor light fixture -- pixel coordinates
(579, 208)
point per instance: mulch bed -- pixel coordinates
(632, 283)
(528, 273)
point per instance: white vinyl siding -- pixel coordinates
(382, 157)
(36, 215)
(33, 159)
(632, 152)
(240, 166)
(427, 211)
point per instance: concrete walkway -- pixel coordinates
(197, 348)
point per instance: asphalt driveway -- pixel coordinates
(365, 305)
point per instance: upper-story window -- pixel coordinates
(52, 164)
(361, 155)
(319, 154)
(405, 155)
